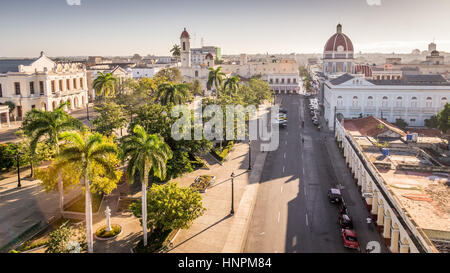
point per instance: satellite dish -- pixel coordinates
(373, 247)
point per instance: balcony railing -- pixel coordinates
(370, 108)
(398, 109)
(428, 109)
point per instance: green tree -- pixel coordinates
(443, 119)
(93, 155)
(171, 207)
(172, 74)
(177, 93)
(432, 122)
(111, 118)
(401, 123)
(146, 153)
(176, 51)
(39, 124)
(104, 85)
(66, 239)
(156, 119)
(195, 87)
(215, 77)
(232, 83)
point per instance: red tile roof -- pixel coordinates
(370, 126)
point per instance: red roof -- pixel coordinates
(370, 126)
(185, 34)
(339, 39)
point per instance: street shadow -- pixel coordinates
(195, 235)
(226, 180)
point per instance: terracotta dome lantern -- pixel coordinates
(339, 42)
(185, 34)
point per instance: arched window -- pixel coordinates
(414, 102)
(399, 102)
(370, 101)
(385, 102)
(429, 102)
(355, 102)
(340, 101)
(196, 73)
(184, 46)
(443, 101)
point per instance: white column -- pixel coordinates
(404, 248)
(375, 203)
(380, 219)
(395, 234)
(7, 119)
(387, 227)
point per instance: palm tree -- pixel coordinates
(104, 85)
(39, 124)
(147, 153)
(215, 77)
(176, 51)
(84, 150)
(232, 83)
(176, 93)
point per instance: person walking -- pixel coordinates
(369, 222)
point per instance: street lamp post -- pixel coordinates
(249, 155)
(87, 110)
(232, 194)
(18, 169)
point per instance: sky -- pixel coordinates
(126, 27)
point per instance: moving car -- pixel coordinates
(281, 122)
(335, 195)
(345, 221)
(350, 239)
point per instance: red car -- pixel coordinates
(350, 238)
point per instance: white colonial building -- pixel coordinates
(42, 83)
(414, 98)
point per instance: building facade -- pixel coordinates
(43, 84)
(414, 99)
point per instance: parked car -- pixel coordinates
(350, 239)
(284, 111)
(345, 221)
(335, 195)
(342, 208)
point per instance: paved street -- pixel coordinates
(292, 212)
(8, 134)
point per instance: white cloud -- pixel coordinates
(73, 2)
(373, 2)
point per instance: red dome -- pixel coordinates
(339, 39)
(185, 34)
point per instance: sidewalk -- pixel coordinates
(22, 208)
(211, 232)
